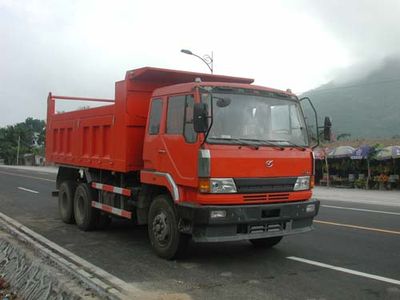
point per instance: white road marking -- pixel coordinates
(362, 209)
(28, 190)
(345, 270)
(27, 176)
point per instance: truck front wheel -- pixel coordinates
(86, 216)
(163, 231)
(266, 242)
(66, 201)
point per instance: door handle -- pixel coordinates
(161, 151)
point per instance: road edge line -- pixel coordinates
(362, 209)
(366, 202)
(357, 227)
(27, 176)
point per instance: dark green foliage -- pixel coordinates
(32, 133)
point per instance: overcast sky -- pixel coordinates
(82, 47)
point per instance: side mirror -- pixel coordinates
(311, 120)
(327, 129)
(200, 117)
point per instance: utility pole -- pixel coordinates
(19, 143)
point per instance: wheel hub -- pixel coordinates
(160, 227)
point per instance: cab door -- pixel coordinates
(152, 142)
(179, 141)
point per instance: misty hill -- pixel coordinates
(368, 107)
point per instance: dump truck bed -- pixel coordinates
(111, 137)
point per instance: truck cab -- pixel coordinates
(235, 158)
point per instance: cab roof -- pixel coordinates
(166, 81)
(189, 87)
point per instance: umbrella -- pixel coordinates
(388, 153)
(341, 152)
(361, 152)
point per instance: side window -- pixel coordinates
(155, 116)
(188, 131)
(176, 108)
(180, 117)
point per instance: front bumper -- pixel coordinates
(243, 222)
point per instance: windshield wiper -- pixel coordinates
(290, 144)
(261, 142)
(233, 140)
(247, 142)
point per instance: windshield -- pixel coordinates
(258, 118)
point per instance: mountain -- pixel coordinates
(367, 107)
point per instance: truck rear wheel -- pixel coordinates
(66, 201)
(86, 216)
(163, 231)
(266, 242)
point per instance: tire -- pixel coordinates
(66, 201)
(266, 242)
(85, 215)
(164, 235)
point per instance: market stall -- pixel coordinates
(340, 166)
(387, 171)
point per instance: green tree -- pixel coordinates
(31, 134)
(371, 155)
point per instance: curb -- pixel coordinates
(106, 285)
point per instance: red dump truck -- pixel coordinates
(194, 156)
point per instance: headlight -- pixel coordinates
(217, 185)
(217, 214)
(310, 208)
(302, 183)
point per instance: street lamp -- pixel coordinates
(207, 59)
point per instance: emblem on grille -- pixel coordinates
(269, 163)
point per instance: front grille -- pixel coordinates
(266, 228)
(255, 198)
(265, 185)
(267, 197)
(277, 197)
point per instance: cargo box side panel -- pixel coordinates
(119, 133)
(84, 138)
(61, 139)
(97, 140)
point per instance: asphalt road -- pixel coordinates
(351, 254)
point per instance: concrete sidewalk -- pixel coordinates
(386, 198)
(48, 169)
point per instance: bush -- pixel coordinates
(360, 183)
